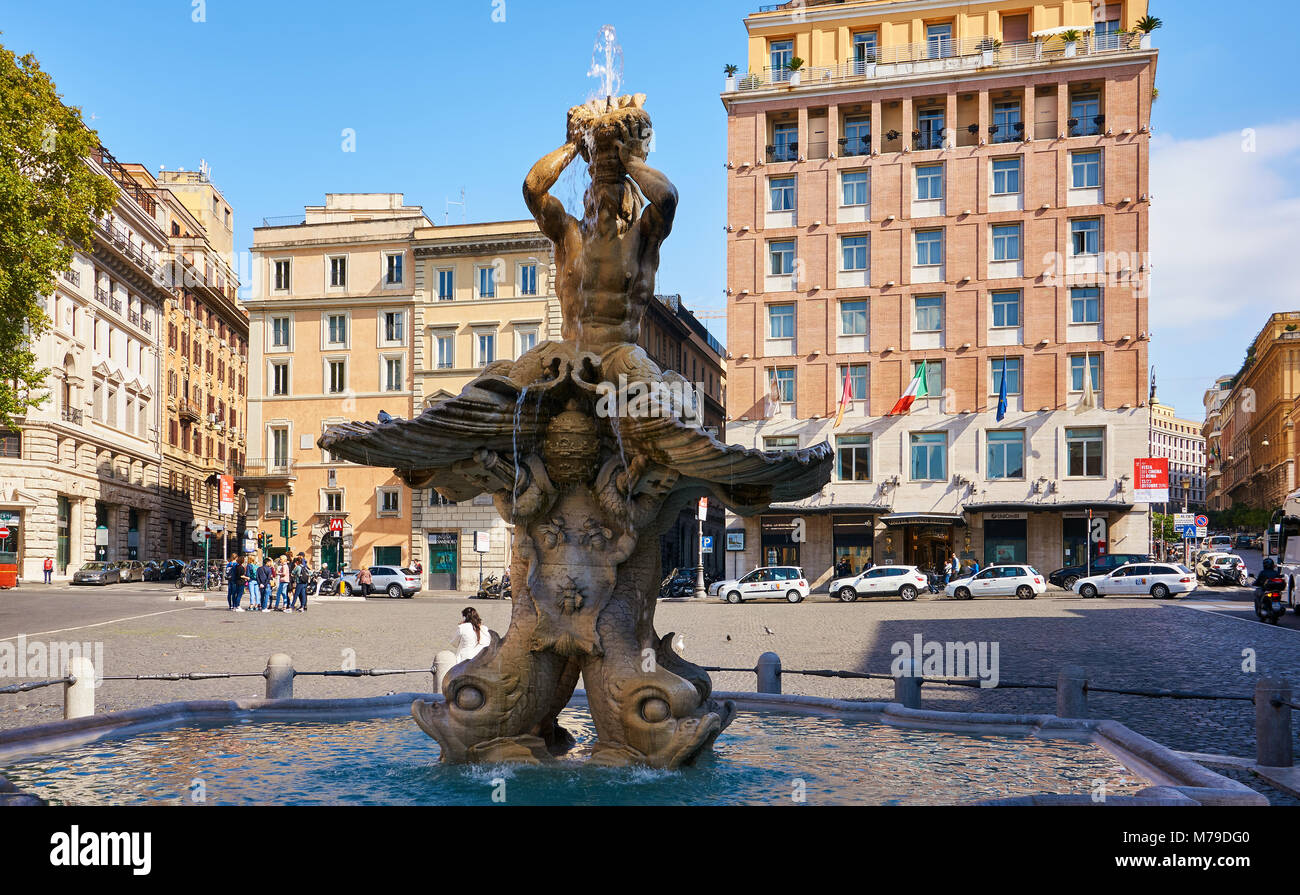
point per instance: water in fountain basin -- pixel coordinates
(758, 760)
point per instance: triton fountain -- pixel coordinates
(590, 451)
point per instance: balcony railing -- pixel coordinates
(785, 152)
(190, 410)
(856, 146)
(273, 468)
(72, 276)
(102, 296)
(936, 57)
(71, 415)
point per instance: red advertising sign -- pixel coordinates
(227, 494)
(336, 525)
(1151, 479)
(704, 509)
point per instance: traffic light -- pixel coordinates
(284, 527)
(293, 529)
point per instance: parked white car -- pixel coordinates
(905, 582)
(765, 582)
(1024, 582)
(1160, 580)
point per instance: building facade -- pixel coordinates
(1253, 419)
(79, 475)
(1182, 443)
(205, 365)
(483, 293)
(949, 187)
(330, 341)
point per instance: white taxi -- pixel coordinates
(767, 582)
(1160, 580)
(905, 582)
(1024, 582)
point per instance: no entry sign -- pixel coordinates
(4, 532)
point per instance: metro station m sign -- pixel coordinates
(1151, 480)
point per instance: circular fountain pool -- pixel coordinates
(767, 758)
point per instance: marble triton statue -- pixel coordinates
(587, 483)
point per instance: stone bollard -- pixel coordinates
(1272, 724)
(907, 689)
(79, 697)
(769, 673)
(279, 677)
(1072, 692)
(442, 663)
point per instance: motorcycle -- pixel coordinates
(492, 589)
(1268, 602)
(1225, 577)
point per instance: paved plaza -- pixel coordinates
(1196, 644)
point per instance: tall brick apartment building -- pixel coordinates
(959, 185)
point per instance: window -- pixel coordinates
(528, 279)
(276, 503)
(929, 313)
(1085, 449)
(1076, 371)
(333, 501)
(929, 456)
(445, 350)
(853, 253)
(1006, 176)
(857, 136)
(853, 458)
(855, 188)
(1085, 236)
(864, 50)
(338, 329)
(1006, 242)
(446, 285)
(393, 326)
(929, 248)
(781, 255)
(338, 272)
(487, 282)
(781, 193)
(781, 385)
(857, 376)
(279, 447)
(785, 142)
(780, 321)
(280, 379)
(279, 332)
(930, 124)
(282, 276)
(527, 340)
(1085, 304)
(933, 376)
(781, 443)
(390, 501)
(338, 371)
(1006, 308)
(1085, 110)
(1008, 367)
(487, 348)
(11, 444)
(780, 53)
(393, 374)
(388, 556)
(1085, 168)
(394, 273)
(938, 40)
(929, 181)
(853, 318)
(1006, 122)
(1006, 455)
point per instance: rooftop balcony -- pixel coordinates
(938, 58)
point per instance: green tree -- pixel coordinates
(1162, 526)
(49, 198)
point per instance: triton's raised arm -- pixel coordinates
(546, 209)
(657, 189)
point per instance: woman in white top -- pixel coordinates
(472, 635)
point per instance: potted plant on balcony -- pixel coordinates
(794, 67)
(1071, 39)
(730, 72)
(1146, 25)
(750, 81)
(987, 47)
(867, 65)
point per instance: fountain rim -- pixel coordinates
(1174, 779)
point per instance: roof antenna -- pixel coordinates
(446, 214)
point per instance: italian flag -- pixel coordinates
(917, 388)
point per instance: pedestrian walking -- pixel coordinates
(249, 569)
(282, 583)
(472, 636)
(49, 570)
(301, 580)
(947, 572)
(266, 581)
(234, 583)
(364, 581)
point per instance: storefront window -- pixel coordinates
(853, 538)
(1005, 541)
(779, 545)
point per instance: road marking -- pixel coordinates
(97, 624)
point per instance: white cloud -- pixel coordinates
(1225, 250)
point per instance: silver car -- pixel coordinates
(97, 573)
(394, 581)
(130, 569)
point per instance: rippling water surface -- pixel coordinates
(760, 759)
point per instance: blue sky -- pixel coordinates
(442, 97)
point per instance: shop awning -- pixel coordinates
(1097, 506)
(815, 509)
(897, 520)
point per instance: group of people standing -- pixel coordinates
(274, 586)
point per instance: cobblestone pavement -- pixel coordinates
(1134, 643)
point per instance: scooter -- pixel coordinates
(492, 589)
(1225, 577)
(1268, 603)
(323, 584)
